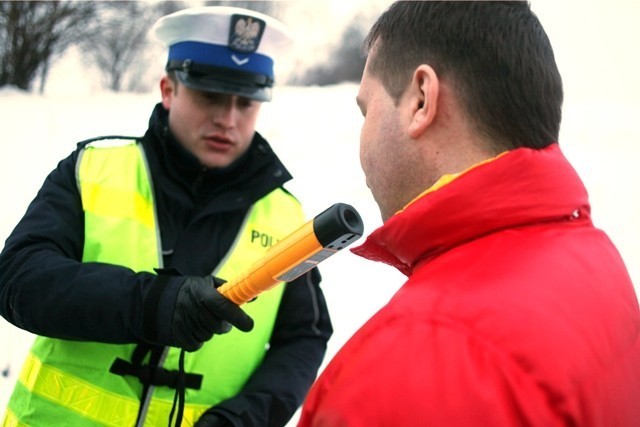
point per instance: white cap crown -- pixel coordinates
(223, 49)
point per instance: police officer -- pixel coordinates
(115, 264)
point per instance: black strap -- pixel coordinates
(137, 358)
(150, 308)
(179, 396)
(154, 375)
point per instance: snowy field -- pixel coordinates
(316, 132)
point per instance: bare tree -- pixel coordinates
(345, 64)
(117, 44)
(32, 33)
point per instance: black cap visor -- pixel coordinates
(222, 80)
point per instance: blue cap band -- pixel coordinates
(221, 56)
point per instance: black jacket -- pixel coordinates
(45, 289)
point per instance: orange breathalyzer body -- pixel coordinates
(316, 240)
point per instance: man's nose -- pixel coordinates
(225, 114)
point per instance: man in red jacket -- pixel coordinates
(517, 310)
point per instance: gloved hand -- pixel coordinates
(201, 311)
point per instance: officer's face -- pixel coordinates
(216, 128)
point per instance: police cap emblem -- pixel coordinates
(245, 33)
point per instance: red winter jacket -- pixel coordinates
(517, 311)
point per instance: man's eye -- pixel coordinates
(211, 97)
(245, 103)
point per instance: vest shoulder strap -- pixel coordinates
(106, 140)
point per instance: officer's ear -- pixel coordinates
(168, 89)
(423, 93)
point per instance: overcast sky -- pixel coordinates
(597, 45)
(596, 42)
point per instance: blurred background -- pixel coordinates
(109, 39)
(74, 70)
(44, 42)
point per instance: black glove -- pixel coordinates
(201, 311)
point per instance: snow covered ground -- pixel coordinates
(316, 133)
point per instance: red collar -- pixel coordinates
(522, 187)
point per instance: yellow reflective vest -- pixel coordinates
(68, 382)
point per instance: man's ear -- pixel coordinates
(167, 87)
(424, 99)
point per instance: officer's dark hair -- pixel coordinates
(174, 78)
(494, 54)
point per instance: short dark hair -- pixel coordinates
(173, 77)
(494, 54)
